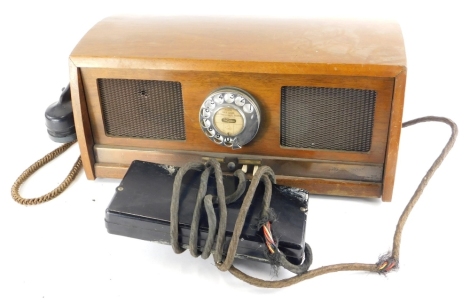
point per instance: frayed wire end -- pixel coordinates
(270, 243)
(272, 252)
(386, 264)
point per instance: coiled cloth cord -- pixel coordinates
(386, 263)
(264, 174)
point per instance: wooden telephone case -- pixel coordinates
(139, 83)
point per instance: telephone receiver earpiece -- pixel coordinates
(59, 118)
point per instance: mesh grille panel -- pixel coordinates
(327, 118)
(142, 108)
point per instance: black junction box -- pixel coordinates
(140, 209)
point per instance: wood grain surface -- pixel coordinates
(259, 56)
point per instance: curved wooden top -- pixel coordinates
(288, 45)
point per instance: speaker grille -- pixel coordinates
(327, 118)
(142, 108)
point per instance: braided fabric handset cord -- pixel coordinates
(265, 175)
(38, 165)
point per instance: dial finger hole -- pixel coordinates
(248, 108)
(228, 141)
(229, 98)
(210, 104)
(206, 123)
(218, 139)
(210, 132)
(205, 112)
(219, 98)
(240, 101)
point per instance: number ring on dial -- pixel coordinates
(230, 116)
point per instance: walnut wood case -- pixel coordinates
(284, 64)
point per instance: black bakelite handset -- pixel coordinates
(59, 118)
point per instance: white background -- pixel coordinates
(60, 252)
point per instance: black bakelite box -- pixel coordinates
(140, 209)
